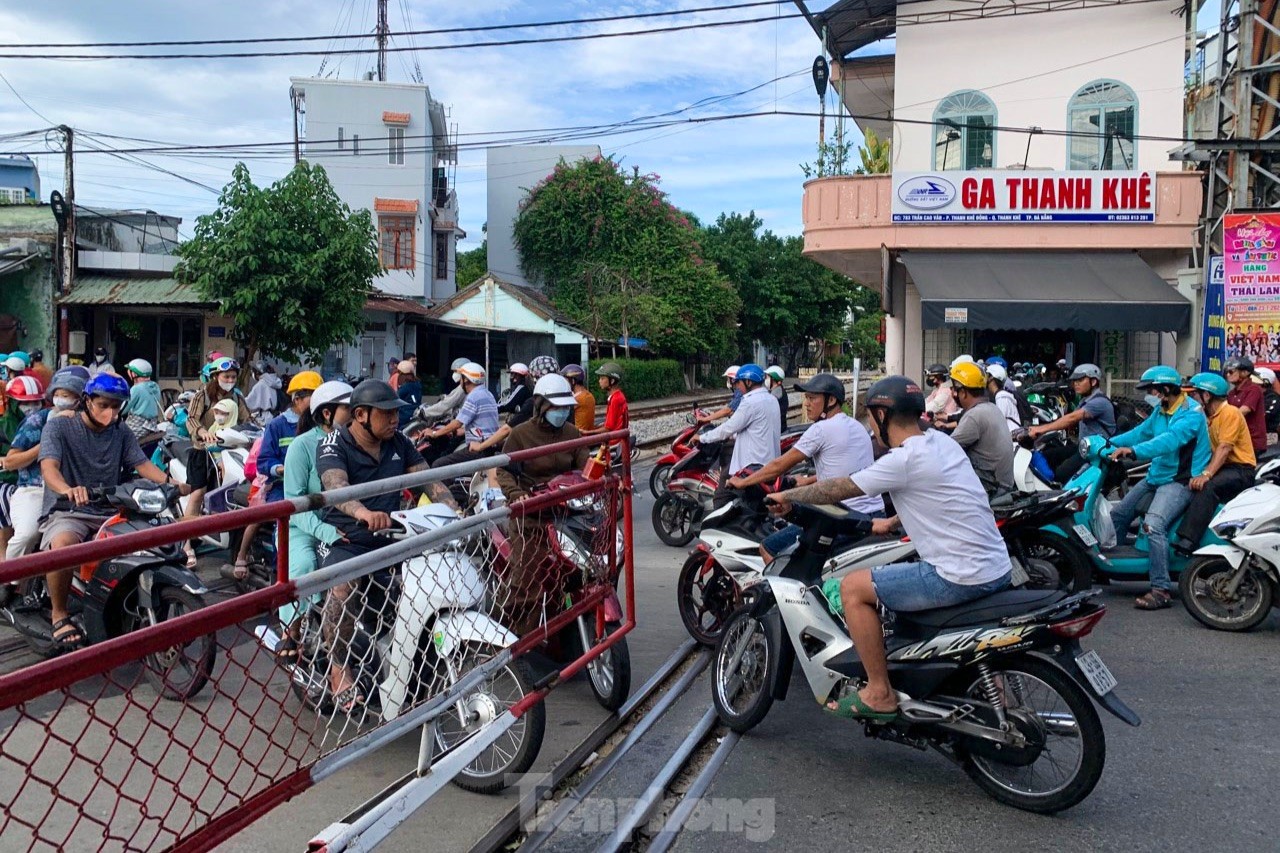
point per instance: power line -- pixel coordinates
(431, 47)
(39, 114)
(410, 32)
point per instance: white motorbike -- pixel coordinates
(227, 460)
(1232, 587)
(422, 626)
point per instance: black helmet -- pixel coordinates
(936, 370)
(898, 394)
(824, 383)
(1239, 363)
(374, 394)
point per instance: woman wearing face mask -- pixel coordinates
(527, 580)
(26, 398)
(200, 421)
(329, 409)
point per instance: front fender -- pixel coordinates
(167, 575)
(1232, 554)
(453, 630)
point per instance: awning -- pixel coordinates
(110, 290)
(1098, 291)
(396, 305)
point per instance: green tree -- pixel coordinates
(876, 155)
(472, 264)
(600, 239)
(290, 263)
(788, 300)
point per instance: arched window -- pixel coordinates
(1103, 119)
(964, 135)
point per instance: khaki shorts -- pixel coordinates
(83, 524)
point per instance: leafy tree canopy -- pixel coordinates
(472, 264)
(613, 253)
(290, 263)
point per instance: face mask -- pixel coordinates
(98, 359)
(290, 416)
(220, 419)
(226, 384)
(1153, 401)
(457, 379)
(557, 417)
(63, 403)
(29, 408)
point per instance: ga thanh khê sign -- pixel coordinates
(998, 195)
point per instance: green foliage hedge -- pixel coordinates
(644, 379)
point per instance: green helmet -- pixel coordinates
(611, 369)
(1210, 383)
(1159, 375)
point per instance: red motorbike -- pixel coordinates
(681, 447)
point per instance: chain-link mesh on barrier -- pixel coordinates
(179, 734)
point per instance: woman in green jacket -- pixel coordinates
(328, 410)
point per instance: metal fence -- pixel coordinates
(184, 731)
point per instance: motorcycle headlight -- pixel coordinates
(575, 552)
(150, 501)
(1229, 529)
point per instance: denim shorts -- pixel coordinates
(904, 587)
(783, 541)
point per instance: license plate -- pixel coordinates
(1100, 678)
(1086, 535)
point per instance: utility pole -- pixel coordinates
(383, 33)
(68, 242)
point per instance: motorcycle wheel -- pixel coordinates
(658, 479)
(706, 595)
(1072, 569)
(1056, 714)
(676, 518)
(610, 674)
(1203, 586)
(515, 750)
(744, 669)
(179, 672)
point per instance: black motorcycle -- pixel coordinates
(115, 596)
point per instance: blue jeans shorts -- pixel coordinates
(904, 587)
(784, 541)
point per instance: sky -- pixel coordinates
(750, 164)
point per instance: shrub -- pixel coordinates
(644, 379)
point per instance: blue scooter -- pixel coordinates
(1124, 562)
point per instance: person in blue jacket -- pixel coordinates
(1175, 440)
(276, 438)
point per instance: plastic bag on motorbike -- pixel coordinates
(1103, 530)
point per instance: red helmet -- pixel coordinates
(25, 389)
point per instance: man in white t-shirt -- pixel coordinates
(836, 443)
(942, 507)
(997, 381)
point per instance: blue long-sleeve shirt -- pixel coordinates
(1176, 443)
(276, 439)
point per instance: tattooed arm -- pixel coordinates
(831, 491)
(437, 491)
(336, 478)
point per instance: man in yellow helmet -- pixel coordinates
(982, 430)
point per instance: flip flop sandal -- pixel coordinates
(348, 700)
(852, 707)
(287, 651)
(191, 557)
(1156, 599)
(69, 640)
(240, 570)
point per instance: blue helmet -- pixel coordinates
(1211, 383)
(1159, 375)
(750, 373)
(998, 359)
(107, 385)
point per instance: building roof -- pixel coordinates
(396, 305)
(532, 299)
(110, 290)
(854, 24)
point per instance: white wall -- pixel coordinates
(1020, 61)
(356, 106)
(512, 171)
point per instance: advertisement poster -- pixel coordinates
(1213, 341)
(1251, 292)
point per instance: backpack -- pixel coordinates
(1025, 413)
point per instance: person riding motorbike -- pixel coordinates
(409, 389)
(773, 379)
(617, 412)
(517, 392)
(543, 365)
(142, 413)
(731, 382)
(25, 506)
(1094, 414)
(755, 428)
(837, 445)
(584, 414)
(26, 401)
(263, 399)
(368, 448)
(200, 421)
(982, 430)
(478, 417)
(529, 581)
(76, 453)
(1231, 468)
(448, 405)
(1175, 439)
(1246, 395)
(939, 406)
(943, 508)
(997, 377)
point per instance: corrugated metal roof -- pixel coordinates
(396, 305)
(108, 290)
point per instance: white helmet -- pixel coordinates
(330, 392)
(997, 372)
(520, 368)
(555, 389)
(139, 366)
(472, 372)
(1266, 374)
(731, 371)
(459, 362)
(776, 372)
(962, 359)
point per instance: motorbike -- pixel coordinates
(430, 448)
(1000, 685)
(680, 448)
(227, 460)
(423, 625)
(1031, 469)
(1043, 558)
(262, 550)
(113, 597)
(1233, 586)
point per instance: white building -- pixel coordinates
(512, 171)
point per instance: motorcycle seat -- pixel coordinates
(179, 447)
(1010, 602)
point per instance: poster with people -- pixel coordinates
(1251, 292)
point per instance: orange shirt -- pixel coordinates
(1227, 426)
(584, 416)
